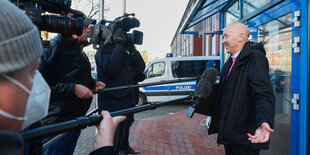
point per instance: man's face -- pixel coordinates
(232, 39)
(84, 34)
(26, 75)
(15, 95)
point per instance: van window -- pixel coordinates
(156, 69)
(192, 68)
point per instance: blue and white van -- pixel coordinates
(170, 69)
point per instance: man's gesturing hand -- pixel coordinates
(261, 134)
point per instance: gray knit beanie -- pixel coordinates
(20, 43)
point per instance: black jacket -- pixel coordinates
(246, 97)
(116, 67)
(11, 143)
(106, 150)
(62, 69)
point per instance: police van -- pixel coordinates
(173, 68)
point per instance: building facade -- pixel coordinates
(283, 27)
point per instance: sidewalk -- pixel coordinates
(173, 133)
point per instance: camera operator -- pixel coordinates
(67, 70)
(119, 64)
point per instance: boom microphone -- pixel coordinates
(95, 91)
(205, 84)
(83, 122)
(203, 89)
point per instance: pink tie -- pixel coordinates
(232, 65)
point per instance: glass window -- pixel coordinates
(250, 6)
(192, 68)
(157, 69)
(214, 23)
(277, 38)
(232, 14)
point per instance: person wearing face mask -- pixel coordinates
(24, 93)
(67, 70)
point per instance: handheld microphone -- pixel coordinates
(203, 89)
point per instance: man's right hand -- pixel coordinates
(82, 91)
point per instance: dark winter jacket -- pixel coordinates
(62, 69)
(106, 150)
(116, 67)
(245, 99)
(11, 143)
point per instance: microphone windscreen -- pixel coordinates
(206, 82)
(129, 23)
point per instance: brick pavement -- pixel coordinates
(175, 134)
(165, 130)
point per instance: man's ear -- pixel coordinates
(242, 37)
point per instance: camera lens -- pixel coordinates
(61, 24)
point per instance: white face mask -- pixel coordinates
(37, 103)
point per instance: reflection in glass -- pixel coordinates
(191, 68)
(277, 38)
(250, 6)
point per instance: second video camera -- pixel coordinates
(102, 33)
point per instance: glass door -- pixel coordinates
(277, 38)
(274, 27)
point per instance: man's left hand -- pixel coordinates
(100, 85)
(261, 134)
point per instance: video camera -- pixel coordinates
(52, 23)
(102, 34)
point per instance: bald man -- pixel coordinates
(244, 115)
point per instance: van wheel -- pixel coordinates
(142, 99)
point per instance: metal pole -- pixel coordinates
(83, 122)
(308, 89)
(95, 91)
(101, 9)
(124, 6)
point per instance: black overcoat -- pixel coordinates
(247, 98)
